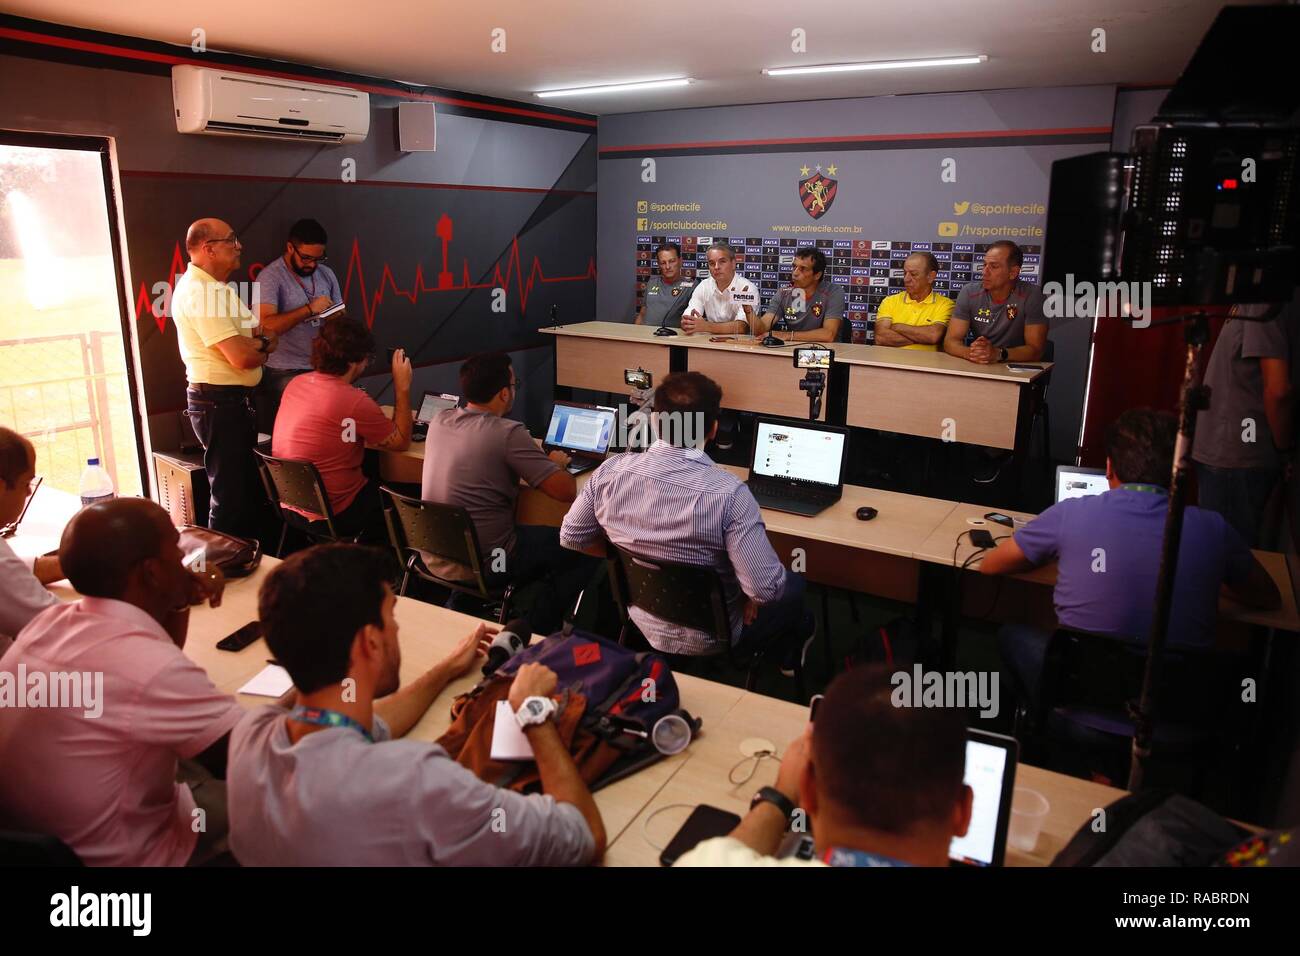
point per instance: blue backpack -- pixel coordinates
(609, 700)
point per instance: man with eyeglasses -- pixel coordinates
(22, 582)
(292, 292)
(224, 350)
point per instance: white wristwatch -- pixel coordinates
(534, 711)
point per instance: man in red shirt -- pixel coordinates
(327, 420)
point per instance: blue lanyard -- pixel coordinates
(328, 718)
(842, 856)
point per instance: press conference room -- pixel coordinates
(624, 435)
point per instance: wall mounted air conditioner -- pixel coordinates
(223, 103)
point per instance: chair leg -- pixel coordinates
(505, 604)
(284, 531)
(826, 632)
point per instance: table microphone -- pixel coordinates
(555, 316)
(513, 637)
(663, 325)
(770, 340)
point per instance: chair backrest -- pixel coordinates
(297, 484)
(445, 531)
(1049, 351)
(1105, 673)
(35, 849)
(684, 594)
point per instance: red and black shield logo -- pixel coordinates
(817, 193)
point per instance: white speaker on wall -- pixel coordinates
(416, 127)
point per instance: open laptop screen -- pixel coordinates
(581, 428)
(1072, 482)
(433, 403)
(990, 773)
(782, 450)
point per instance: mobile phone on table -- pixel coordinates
(704, 823)
(241, 638)
(981, 539)
(999, 518)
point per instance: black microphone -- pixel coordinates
(663, 325)
(555, 316)
(513, 637)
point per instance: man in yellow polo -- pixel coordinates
(223, 349)
(917, 317)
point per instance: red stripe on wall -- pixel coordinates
(227, 177)
(876, 138)
(127, 53)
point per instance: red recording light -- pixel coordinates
(1229, 184)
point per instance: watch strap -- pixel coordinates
(776, 798)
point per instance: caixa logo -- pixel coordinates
(1086, 299)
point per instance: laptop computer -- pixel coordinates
(431, 404)
(991, 774)
(1075, 482)
(583, 432)
(797, 467)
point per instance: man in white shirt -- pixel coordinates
(880, 784)
(724, 302)
(22, 582)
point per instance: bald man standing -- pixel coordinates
(224, 350)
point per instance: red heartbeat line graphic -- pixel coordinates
(524, 281)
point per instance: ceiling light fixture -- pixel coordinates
(615, 88)
(876, 65)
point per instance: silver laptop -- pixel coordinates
(1075, 482)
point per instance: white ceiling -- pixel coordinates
(552, 44)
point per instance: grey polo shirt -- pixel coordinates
(1237, 395)
(1002, 323)
(826, 302)
(335, 799)
(475, 460)
(664, 301)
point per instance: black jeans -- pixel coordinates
(225, 423)
(269, 392)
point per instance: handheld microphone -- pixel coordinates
(510, 640)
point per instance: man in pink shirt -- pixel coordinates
(327, 420)
(92, 758)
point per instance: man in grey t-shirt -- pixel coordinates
(328, 783)
(1002, 313)
(292, 292)
(475, 458)
(666, 294)
(1246, 438)
(812, 307)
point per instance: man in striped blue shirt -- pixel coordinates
(671, 503)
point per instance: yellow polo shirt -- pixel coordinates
(207, 312)
(934, 309)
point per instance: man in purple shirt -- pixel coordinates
(1107, 549)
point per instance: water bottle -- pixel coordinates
(95, 483)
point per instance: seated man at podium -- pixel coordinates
(724, 303)
(668, 293)
(812, 306)
(917, 317)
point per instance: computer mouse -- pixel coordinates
(866, 513)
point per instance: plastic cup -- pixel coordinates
(1028, 811)
(671, 734)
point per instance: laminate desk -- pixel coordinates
(698, 775)
(912, 392)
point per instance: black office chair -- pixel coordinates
(298, 483)
(1040, 410)
(448, 533)
(687, 595)
(35, 849)
(1084, 724)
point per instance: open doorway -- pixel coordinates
(67, 378)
